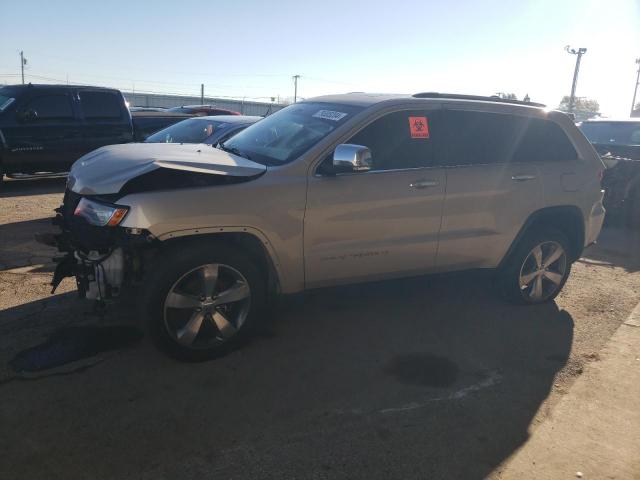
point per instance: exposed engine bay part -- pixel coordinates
(170, 179)
(98, 276)
(106, 279)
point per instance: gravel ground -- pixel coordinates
(418, 378)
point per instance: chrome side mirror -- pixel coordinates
(351, 158)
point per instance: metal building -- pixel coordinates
(245, 107)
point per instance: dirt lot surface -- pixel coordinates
(420, 378)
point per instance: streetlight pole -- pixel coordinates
(295, 88)
(635, 88)
(23, 62)
(579, 53)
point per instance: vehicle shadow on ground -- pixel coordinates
(417, 378)
(36, 186)
(618, 247)
(18, 246)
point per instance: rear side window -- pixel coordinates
(544, 141)
(51, 106)
(97, 105)
(401, 140)
(485, 138)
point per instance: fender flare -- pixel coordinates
(551, 213)
(270, 251)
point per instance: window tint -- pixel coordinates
(51, 106)
(484, 138)
(544, 141)
(401, 139)
(100, 105)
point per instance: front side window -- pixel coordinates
(100, 105)
(290, 132)
(401, 140)
(51, 106)
(193, 130)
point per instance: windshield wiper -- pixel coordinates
(234, 150)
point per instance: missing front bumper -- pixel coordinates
(98, 277)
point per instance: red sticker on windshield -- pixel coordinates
(419, 127)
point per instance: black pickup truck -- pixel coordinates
(45, 128)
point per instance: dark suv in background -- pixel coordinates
(48, 127)
(45, 128)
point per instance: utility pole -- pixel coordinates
(295, 88)
(23, 62)
(635, 89)
(202, 94)
(581, 51)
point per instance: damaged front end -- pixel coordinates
(102, 256)
(101, 249)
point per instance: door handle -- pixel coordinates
(523, 178)
(424, 184)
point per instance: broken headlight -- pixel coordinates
(100, 214)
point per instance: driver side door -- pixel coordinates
(382, 223)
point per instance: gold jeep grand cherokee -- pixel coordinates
(332, 190)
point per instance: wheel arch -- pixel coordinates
(257, 247)
(568, 219)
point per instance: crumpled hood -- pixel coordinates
(107, 169)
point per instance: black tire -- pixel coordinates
(175, 264)
(509, 275)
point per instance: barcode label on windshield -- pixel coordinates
(329, 115)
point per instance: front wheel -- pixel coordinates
(538, 269)
(203, 300)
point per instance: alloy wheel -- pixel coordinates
(207, 306)
(543, 271)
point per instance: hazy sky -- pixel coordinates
(251, 48)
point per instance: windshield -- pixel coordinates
(289, 133)
(193, 130)
(615, 133)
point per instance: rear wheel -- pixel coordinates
(203, 301)
(538, 269)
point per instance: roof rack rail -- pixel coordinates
(492, 98)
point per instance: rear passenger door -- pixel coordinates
(490, 191)
(105, 120)
(382, 223)
(547, 146)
